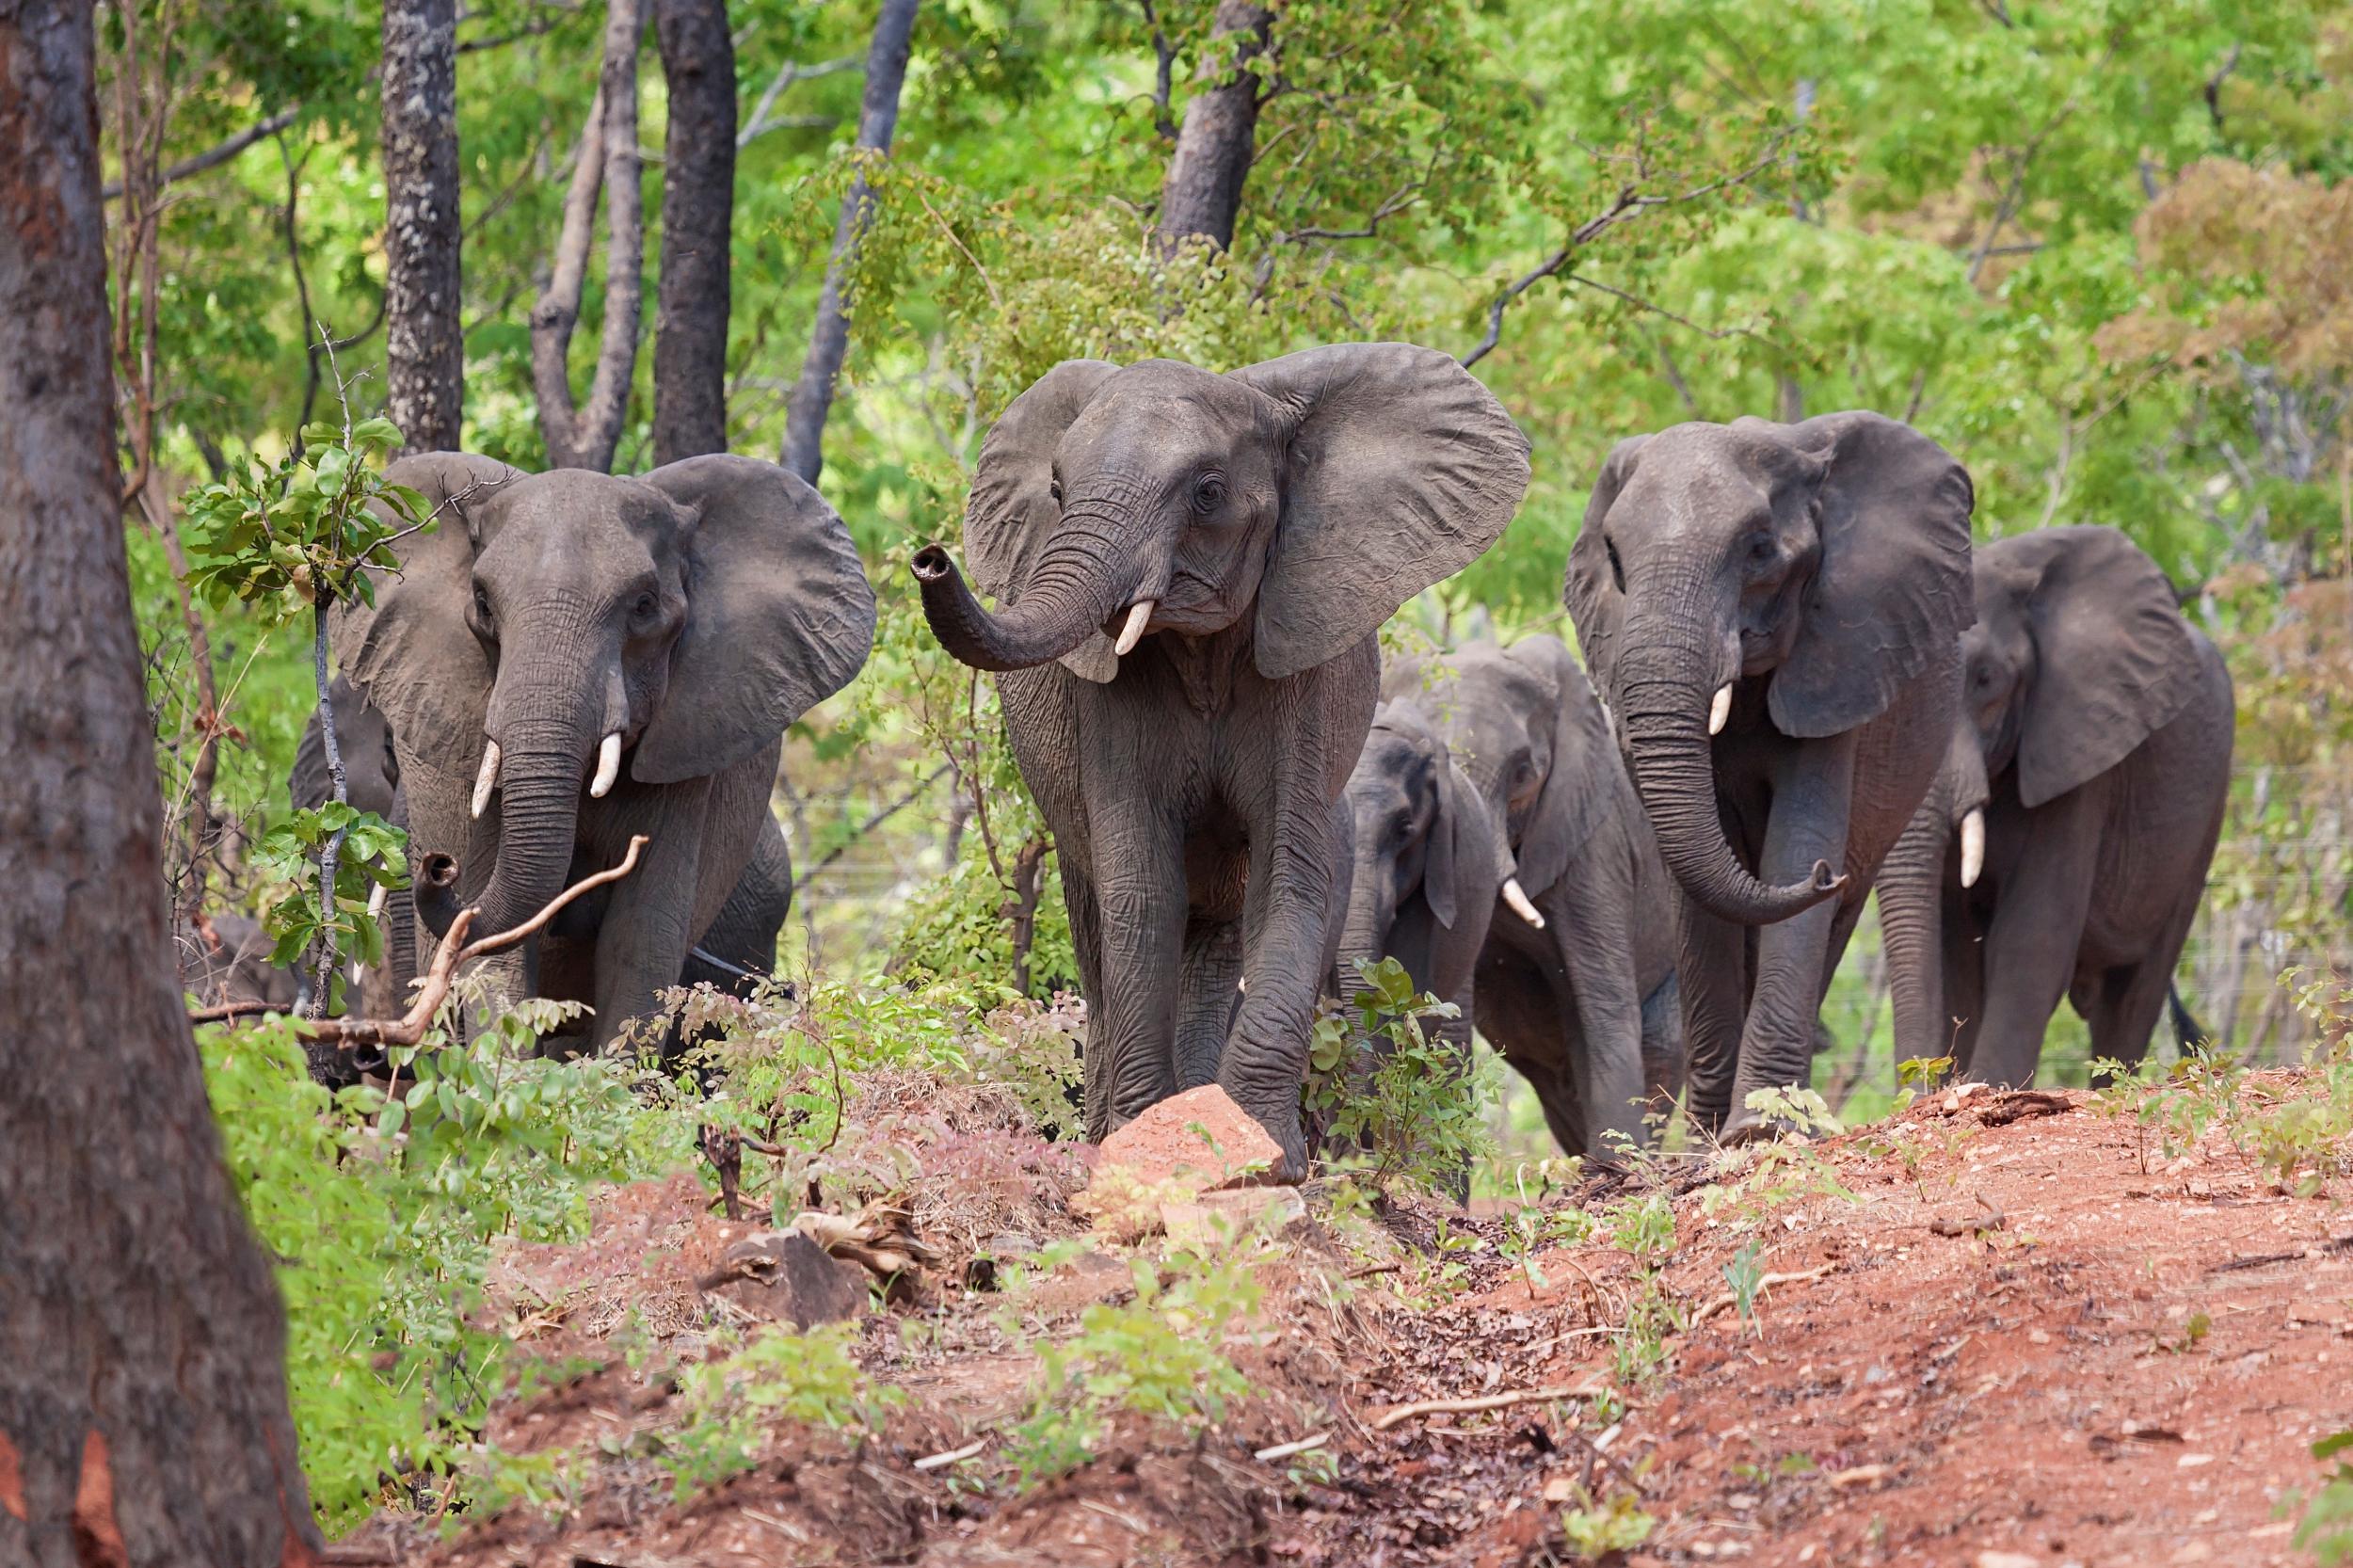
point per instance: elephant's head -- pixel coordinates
(1531, 736)
(1421, 835)
(2079, 654)
(1811, 569)
(363, 743)
(1311, 495)
(566, 633)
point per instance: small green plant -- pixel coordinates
(2326, 1529)
(1380, 1082)
(1651, 1319)
(730, 1403)
(1804, 1110)
(1745, 1275)
(1645, 1227)
(1616, 1523)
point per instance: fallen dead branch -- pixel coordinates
(1484, 1402)
(1727, 1301)
(2019, 1104)
(1993, 1220)
(1284, 1450)
(954, 1456)
(454, 953)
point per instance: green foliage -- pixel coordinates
(377, 856)
(731, 1402)
(1413, 1104)
(2327, 1529)
(1802, 1108)
(1594, 1530)
(1745, 1274)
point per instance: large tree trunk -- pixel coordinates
(143, 1413)
(829, 339)
(1201, 195)
(690, 344)
(587, 435)
(424, 343)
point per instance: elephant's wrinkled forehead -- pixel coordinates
(1162, 414)
(1694, 473)
(576, 516)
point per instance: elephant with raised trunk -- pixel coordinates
(1574, 966)
(2064, 848)
(569, 659)
(1775, 614)
(1191, 568)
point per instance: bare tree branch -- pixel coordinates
(757, 122)
(584, 436)
(1163, 68)
(213, 158)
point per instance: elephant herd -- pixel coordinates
(1635, 878)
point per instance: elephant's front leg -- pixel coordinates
(1208, 992)
(1140, 912)
(1595, 941)
(1711, 986)
(648, 922)
(1813, 797)
(1283, 921)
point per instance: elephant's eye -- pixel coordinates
(1763, 547)
(1617, 567)
(481, 606)
(1208, 494)
(645, 607)
(1053, 491)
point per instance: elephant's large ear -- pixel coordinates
(1467, 860)
(1401, 469)
(410, 651)
(1010, 514)
(1892, 591)
(779, 614)
(1590, 590)
(2113, 659)
(1571, 804)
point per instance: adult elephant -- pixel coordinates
(2065, 847)
(1574, 976)
(573, 658)
(1191, 568)
(1774, 611)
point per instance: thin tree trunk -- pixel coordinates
(829, 339)
(1202, 196)
(586, 436)
(690, 341)
(424, 343)
(143, 1415)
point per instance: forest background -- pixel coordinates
(2100, 251)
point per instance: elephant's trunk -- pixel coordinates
(1910, 888)
(1057, 610)
(1665, 690)
(541, 769)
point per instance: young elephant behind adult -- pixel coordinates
(571, 659)
(1575, 979)
(1774, 611)
(2096, 733)
(1191, 569)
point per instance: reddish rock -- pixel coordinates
(1201, 1130)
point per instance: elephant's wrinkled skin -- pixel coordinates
(1775, 614)
(1191, 568)
(1583, 1006)
(2096, 737)
(571, 659)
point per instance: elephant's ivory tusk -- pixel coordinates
(1132, 632)
(1971, 846)
(487, 777)
(1516, 896)
(1720, 709)
(608, 766)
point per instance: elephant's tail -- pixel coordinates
(2187, 1032)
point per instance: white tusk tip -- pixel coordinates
(1720, 710)
(1971, 847)
(1132, 632)
(1516, 896)
(608, 766)
(485, 780)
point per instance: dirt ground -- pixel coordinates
(2036, 1341)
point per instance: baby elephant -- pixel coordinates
(2064, 846)
(1563, 907)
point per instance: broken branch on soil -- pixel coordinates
(1284, 1450)
(1995, 1220)
(1484, 1402)
(454, 953)
(2019, 1104)
(1728, 1301)
(954, 1456)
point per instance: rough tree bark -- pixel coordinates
(690, 341)
(1201, 195)
(585, 436)
(143, 1414)
(829, 339)
(425, 341)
